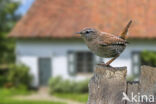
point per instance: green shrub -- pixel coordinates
(148, 58)
(3, 74)
(3, 80)
(58, 85)
(19, 76)
(81, 87)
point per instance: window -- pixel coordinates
(84, 62)
(71, 63)
(136, 63)
(80, 62)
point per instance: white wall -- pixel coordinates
(28, 51)
(31, 62)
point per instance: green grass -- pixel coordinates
(11, 92)
(7, 94)
(6, 97)
(73, 96)
(12, 101)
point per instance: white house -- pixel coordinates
(47, 44)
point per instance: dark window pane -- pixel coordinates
(84, 62)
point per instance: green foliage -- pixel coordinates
(3, 75)
(148, 58)
(131, 78)
(81, 87)
(19, 76)
(58, 85)
(7, 21)
(3, 80)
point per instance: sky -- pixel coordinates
(25, 5)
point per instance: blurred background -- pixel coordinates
(42, 61)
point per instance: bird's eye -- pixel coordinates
(87, 32)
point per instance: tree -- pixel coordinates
(8, 19)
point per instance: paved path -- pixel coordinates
(43, 95)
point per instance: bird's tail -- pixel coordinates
(125, 31)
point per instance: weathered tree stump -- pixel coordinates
(107, 85)
(132, 87)
(148, 82)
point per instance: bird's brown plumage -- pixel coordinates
(105, 44)
(110, 39)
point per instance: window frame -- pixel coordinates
(72, 63)
(135, 64)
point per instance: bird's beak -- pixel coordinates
(78, 33)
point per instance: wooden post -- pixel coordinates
(107, 85)
(148, 82)
(132, 87)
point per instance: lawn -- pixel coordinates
(6, 97)
(73, 96)
(11, 101)
(7, 94)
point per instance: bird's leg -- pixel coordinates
(102, 63)
(110, 61)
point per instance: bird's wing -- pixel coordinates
(106, 39)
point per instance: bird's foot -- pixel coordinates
(104, 64)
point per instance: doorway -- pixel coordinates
(44, 70)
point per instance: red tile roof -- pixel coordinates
(62, 18)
